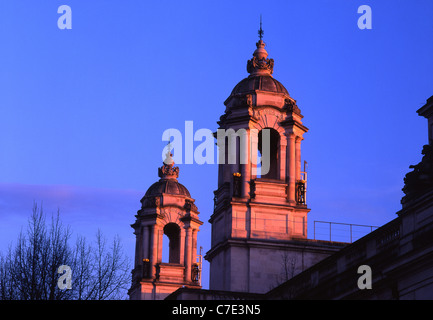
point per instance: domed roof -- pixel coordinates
(260, 69)
(259, 82)
(170, 186)
(168, 182)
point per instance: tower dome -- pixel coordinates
(259, 82)
(168, 183)
(167, 186)
(260, 68)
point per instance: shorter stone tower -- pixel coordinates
(167, 209)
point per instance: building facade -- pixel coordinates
(399, 254)
(259, 244)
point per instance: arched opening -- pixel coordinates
(259, 164)
(171, 243)
(268, 151)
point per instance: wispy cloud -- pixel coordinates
(85, 209)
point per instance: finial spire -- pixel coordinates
(260, 64)
(261, 32)
(168, 171)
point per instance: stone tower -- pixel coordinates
(167, 209)
(259, 223)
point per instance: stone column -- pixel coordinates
(145, 243)
(160, 234)
(298, 158)
(194, 246)
(282, 160)
(138, 236)
(245, 166)
(291, 159)
(182, 246)
(254, 142)
(188, 249)
(154, 249)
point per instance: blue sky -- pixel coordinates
(82, 111)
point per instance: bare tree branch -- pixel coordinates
(29, 271)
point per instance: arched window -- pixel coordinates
(268, 150)
(172, 234)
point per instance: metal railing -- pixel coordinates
(322, 230)
(342, 232)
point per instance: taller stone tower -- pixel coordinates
(259, 223)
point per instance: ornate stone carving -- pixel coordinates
(292, 106)
(150, 202)
(421, 178)
(244, 100)
(172, 214)
(168, 170)
(268, 112)
(260, 63)
(189, 205)
(237, 185)
(300, 192)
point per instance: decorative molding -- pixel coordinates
(420, 179)
(291, 106)
(260, 64)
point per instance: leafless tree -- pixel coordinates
(288, 268)
(104, 272)
(29, 270)
(288, 264)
